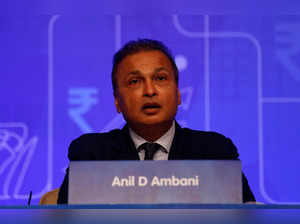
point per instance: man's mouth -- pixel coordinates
(151, 107)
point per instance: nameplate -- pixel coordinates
(155, 182)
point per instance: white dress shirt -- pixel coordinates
(165, 141)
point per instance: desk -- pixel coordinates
(157, 213)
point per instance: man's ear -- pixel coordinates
(178, 97)
(117, 103)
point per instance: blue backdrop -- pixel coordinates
(239, 75)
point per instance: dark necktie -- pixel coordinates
(150, 149)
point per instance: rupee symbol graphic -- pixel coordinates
(82, 99)
(288, 35)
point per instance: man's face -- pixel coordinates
(147, 93)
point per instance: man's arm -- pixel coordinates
(63, 190)
(248, 196)
(75, 152)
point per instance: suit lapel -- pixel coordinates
(128, 150)
(176, 147)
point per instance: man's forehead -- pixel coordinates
(142, 59)
(146, 54)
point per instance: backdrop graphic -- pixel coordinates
(239, 75)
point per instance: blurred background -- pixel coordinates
(239, 69)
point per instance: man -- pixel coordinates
(145, 86)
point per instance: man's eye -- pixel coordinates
(161, 78)
(133, 81)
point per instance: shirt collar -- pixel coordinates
(165, 140)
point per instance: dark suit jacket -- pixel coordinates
(187, 145)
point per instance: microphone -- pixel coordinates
(29, 199)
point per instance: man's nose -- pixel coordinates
(149, 88)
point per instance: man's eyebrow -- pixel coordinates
(137, 72)
(161, 69)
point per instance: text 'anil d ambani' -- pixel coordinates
(143, 181)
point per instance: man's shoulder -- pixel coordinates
(208, 143)
(91, 138)
(203, 135)
(92, 145)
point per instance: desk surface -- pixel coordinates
(158, 206)
(149, 214)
